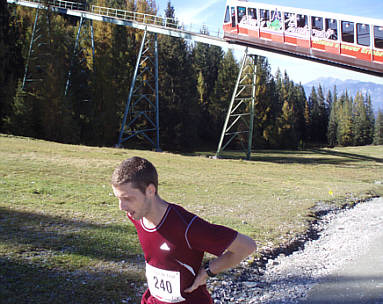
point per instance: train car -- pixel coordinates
(349, 41)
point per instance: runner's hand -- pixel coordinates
(199, 280)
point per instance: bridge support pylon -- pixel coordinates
(141, 116)
(85, 26)
(239, 122)
(35, 68)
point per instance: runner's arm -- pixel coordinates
(241, 247)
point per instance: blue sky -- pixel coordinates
(210, 13)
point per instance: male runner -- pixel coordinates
(173, 239)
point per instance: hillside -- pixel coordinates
(63, 236)
(351, 86)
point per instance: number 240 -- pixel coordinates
(164, 285)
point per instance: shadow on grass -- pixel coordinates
(353, 156)
(48, 259)
(43, 232)
(21, 282)
(315, 156)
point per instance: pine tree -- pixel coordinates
(287, 134)
(201, 87)
(300, 115)
(360, 122)
(345, 121)
(20, 119)
(116, 56)
(45, 114)
(314, 115)
(287, 119)
(178, 93)
(333, 125)
(11, 64)
(329, 100)
(378, 134)
(307, 122)
(332, 128)
(370, 119)
(319, 116)
(206, 61)
(335, 94)
(278, 92)
(264, 120)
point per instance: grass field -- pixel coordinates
(63, 239)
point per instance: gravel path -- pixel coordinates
(344, 237)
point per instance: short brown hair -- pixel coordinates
(136, 170)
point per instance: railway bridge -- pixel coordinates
(241, 108)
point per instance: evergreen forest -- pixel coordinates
(196, 82)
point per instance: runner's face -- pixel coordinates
(132, 200)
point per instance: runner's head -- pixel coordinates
(138, 171)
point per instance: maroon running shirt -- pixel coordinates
(173, 253)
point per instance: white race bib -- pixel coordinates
(164, 285)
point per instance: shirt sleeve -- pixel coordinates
(211, 238)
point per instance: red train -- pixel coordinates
(349, 41)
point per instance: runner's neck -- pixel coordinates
(154, 218)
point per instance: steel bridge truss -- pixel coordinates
(239, 123)
(141, 117)
(34, 68)
(85, 30)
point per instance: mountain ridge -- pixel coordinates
(351, 86)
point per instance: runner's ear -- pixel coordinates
(150, 190)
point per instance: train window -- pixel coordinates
(363, 34)
(276, 20)
(227, 15)
(265, 17)
(348, 31)
(302, 21)
(331, 29)
(378, 36)
(252, 13)
(290, 22)
(241, 12)
(296, 23)
(317, 23)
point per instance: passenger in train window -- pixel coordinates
(317, 27)
(302, 21)
(251, 18)
(241, 13)
(233, 23)
(290, 22)
(331, 29)
(252, 13)
(264, 17)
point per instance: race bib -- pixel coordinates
(164, 285)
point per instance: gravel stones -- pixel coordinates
(339, 236)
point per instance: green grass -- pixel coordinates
(63, 239)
